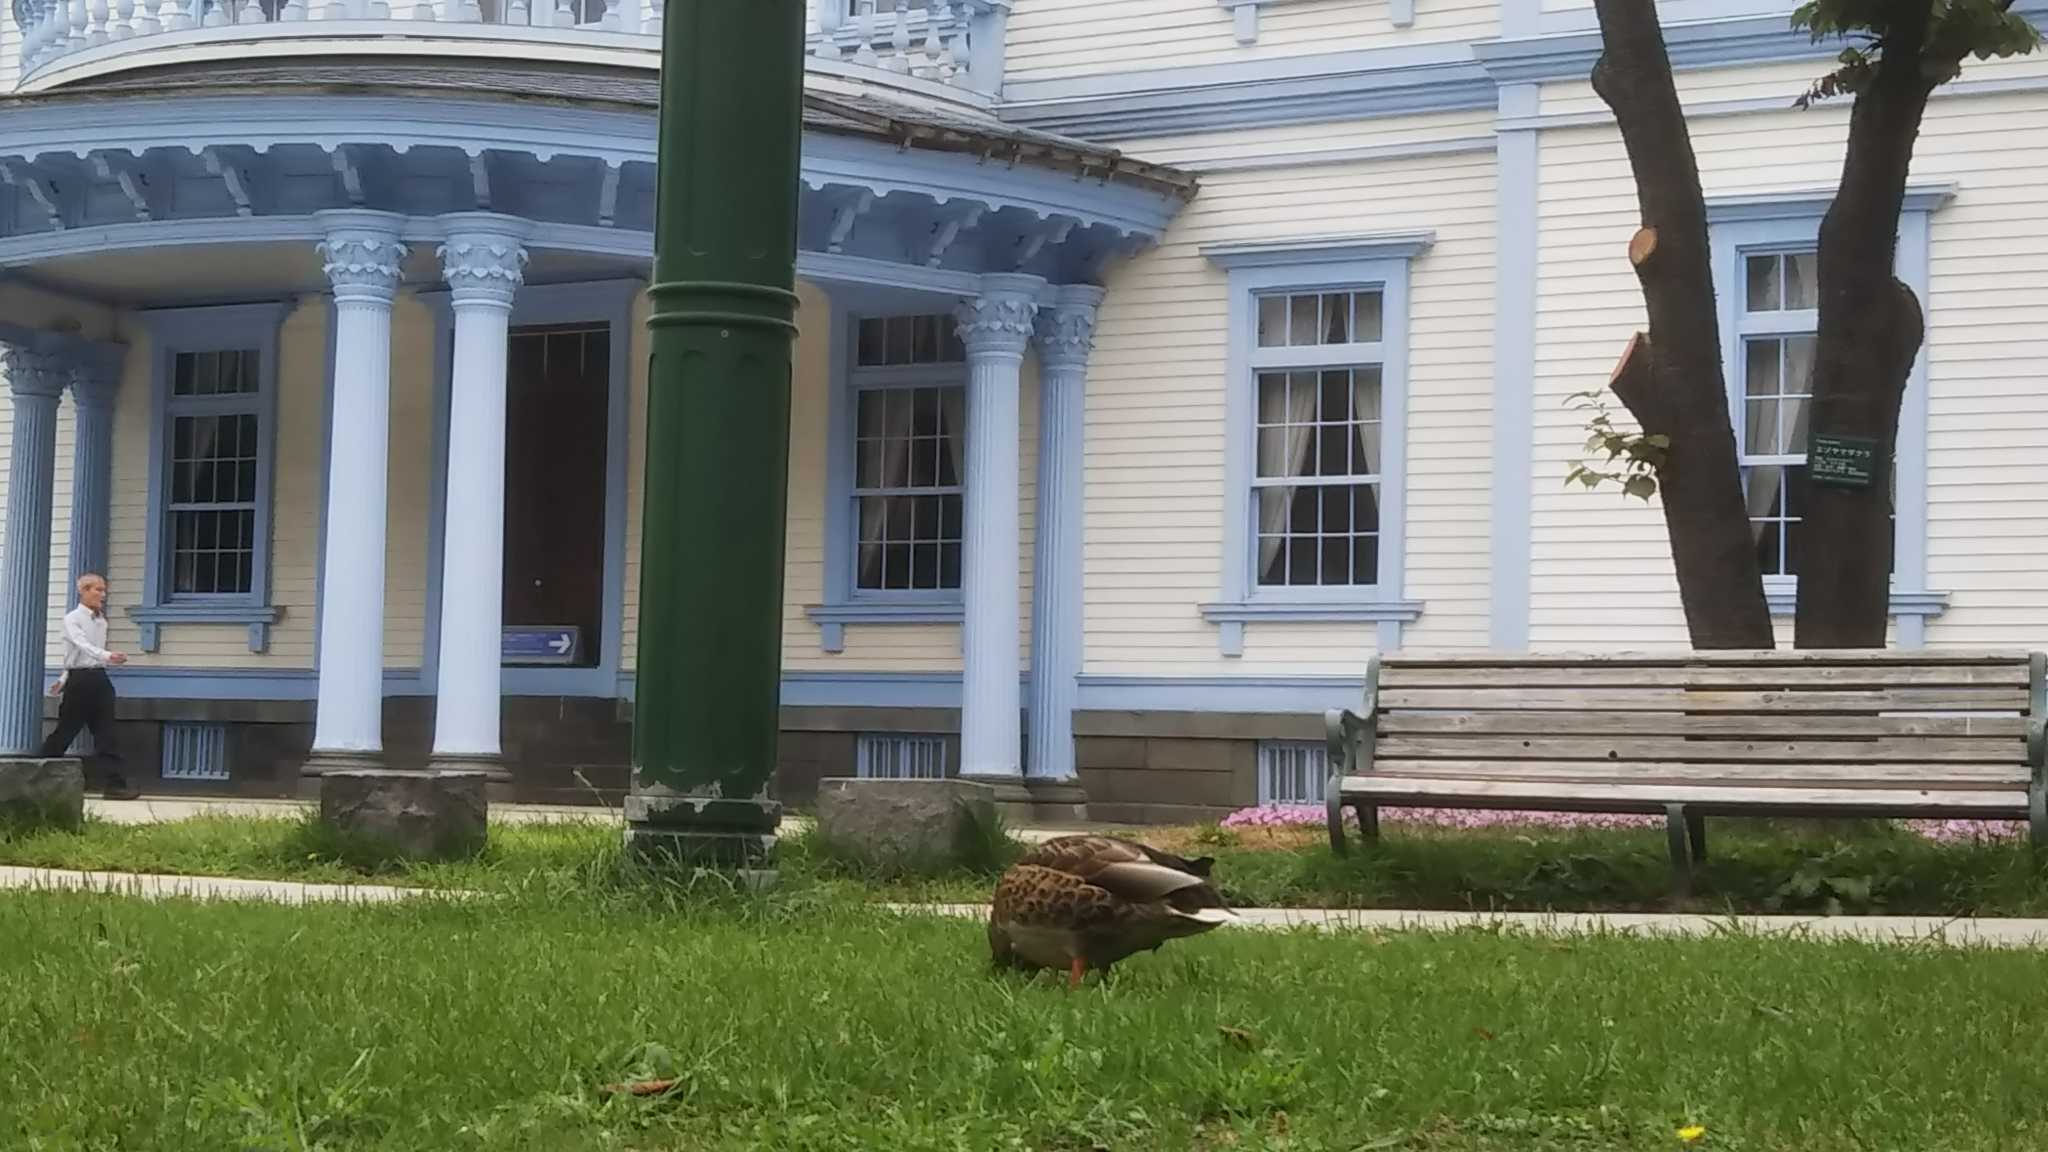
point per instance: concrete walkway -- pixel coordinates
(166, 810)
(1882, 929)
(150, 887)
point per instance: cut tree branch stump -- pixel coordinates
(1642, 246)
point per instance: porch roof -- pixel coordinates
(872, 116)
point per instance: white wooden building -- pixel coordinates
(1309, 283)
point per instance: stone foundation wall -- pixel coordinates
(1136, 767)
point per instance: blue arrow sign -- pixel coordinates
(542, 645)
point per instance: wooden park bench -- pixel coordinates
(1693, 735)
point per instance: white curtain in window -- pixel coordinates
(1294, 407)
(888, 424)
(1365, 403)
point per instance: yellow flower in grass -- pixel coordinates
(1692, 1134)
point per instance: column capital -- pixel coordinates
(364, 259)
(998, 322)
(484, 257)
(35, 373)
(96, 378)
(1066, 329)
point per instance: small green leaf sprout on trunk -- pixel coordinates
(1631, 459)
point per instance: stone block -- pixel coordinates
(36, 793)
(900, 820)
(1177, 755)
(417, 815)
(1109, 751)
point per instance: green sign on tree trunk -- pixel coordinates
(1841, 461)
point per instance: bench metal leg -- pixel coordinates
(1334, 807)
(1696, 831)
(1681, 859)
(1368, 821)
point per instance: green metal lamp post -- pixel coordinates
(722, 329)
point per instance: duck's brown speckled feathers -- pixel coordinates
(1088, 901)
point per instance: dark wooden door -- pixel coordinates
(558, 382)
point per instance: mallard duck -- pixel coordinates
(1081, 902)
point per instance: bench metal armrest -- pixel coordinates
(1349, 738)
(2037, 750)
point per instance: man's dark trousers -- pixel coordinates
(88, 703)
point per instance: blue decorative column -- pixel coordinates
(996, 328)
(1066, 335)
(94, 385)
(484, 262)
(36, 381)
(364, 261)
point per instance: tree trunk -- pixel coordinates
(1680, 392)
(1871, 328)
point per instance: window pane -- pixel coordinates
(1365, 508)
(924, 566)
(924, 344)
(1335, 519)
(874, 343)
(1802, 281)
(1764, 291)
(1303, 312)
(949, 565)
(1365, 559)
(1333, 406)
(1366, 322)
(1273, 454)
(1760, 376)
(1335, 568)
(183, 367)
(1272, 321)
(1337, 318)
(901, 337)
(1760, 428)
(1799, 354)
(950, 514)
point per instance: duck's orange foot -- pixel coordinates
(1075, 970)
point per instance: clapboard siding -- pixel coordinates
(1601, 565)
(1051, 39)
(1156, 412)
(295, 501)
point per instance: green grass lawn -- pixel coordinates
(1754, 868)
(806, 1021)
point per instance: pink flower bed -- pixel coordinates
(1304, 816)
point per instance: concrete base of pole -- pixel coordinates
(674, 833)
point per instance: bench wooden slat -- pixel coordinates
(1695, 724)
(1788, 676)
(1886, 750)
(1781, 656)
(1681, 700)
(1707, 799)
(1782, 775)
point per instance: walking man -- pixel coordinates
(87, 690)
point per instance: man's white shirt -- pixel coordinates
(85, 639)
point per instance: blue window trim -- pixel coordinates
(843, 603)
(607, 302)
(1740, 225)
(210, 329)
(1316, 264)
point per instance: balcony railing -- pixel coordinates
(954, 43)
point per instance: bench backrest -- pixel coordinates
(1859, 718)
